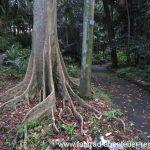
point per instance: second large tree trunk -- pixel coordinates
(87, 47)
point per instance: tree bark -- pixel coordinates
(87, 46)
(129, 33)
(111, 34)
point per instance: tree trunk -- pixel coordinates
(87, 46)
(46, 75)
(111, 34)
(129, 33)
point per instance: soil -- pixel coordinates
(10, 119)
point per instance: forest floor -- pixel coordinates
(132, 99)
(41, 134)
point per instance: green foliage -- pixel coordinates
(132, 73)
(43, 145)
(38, 128)
(147, 84)
(114, 113)
(59, 125)
(69, 60)
(4, 70)
(125, 72)
(2, 82)
(20, 133)
(32, 123)
(73, 70)
(105, 127)
(121, 57)
(17, 58)
(69, 129)
(47, 131)
(96, 126)
(10, 70)
(103, 95)
(97, 58)
(33, 137)
(95, 122)
(6, 40)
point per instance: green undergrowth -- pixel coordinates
(73, 70)
(41, 132)
(98, 92)
(10, 70)
(137, 74)
(16, 60)
(2, 82)
(115, 112)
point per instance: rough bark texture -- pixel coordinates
(46, 75)
(87, 46)
(129, 34)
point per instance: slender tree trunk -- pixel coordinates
(111, 34)
(87, 46)
(129, 33)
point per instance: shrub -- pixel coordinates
(98, 58)
(125, 72)
(73, 70)
(32, 123)
(17, 58)
(69, 129)
(135, 73)
(114, 113)
(6, 40)
(121, 57)
(69, 60)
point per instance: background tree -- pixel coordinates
(111, 34)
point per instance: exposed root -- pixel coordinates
(60, 116)
(25, 136)
(42, 109)
(78, 117)
(73, 81)
(66, 96)
(13, 92)
(14, 102)
(53, 121)
(66, 108)
(81, 101)
(24, 96)
(20, 88)
(123, 123)
(45, 108)
(43, 71)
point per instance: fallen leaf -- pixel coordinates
(1, 143)
(108, 134)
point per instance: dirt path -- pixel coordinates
(133, 100)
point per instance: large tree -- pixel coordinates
(46, 75)
(111, 34)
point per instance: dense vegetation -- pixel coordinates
(131, 38)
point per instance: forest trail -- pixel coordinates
(133, 100)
